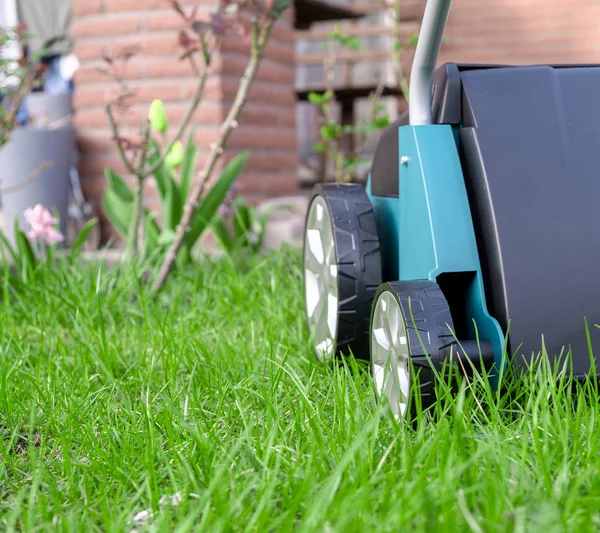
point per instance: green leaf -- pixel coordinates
(166, 238)
(189, 167)
(184, 257)
(151, 232)
(118, 185)
(175, 156)
(320, 98)
(353, 42)
(85, 231)
(242, 220)
(315, 98)
(161, 173)
(320, 147)
(8, 247)
(221, 231)
(118, 211)
(381, 122)
(215, 197)
(172, 204)
(28, 259)
(330, 130)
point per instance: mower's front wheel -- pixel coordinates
(411, 325)
(342, 269)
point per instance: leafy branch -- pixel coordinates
(263, 17)
(332, 133)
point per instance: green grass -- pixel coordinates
(111, 403)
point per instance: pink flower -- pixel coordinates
(42, 225)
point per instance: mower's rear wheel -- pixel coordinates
(342, 269)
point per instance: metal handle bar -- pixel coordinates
(426, 54)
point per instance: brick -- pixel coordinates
(146, 93)
(265, 160)
(93, 187)
(90, 166)
(85, 50)
(274, 94)
(206, 113)
(253, 137)
(235, 65)
(148, 45)
(135, 5)
(213, 90)
(268, 184)
(259, 114)
(104, 27)
(81, 8)
(86, 119)
(169, 68)
(88, 97)
(163, 22)
(95, 74)
(283, 32)
(94, 144)
(274, 51)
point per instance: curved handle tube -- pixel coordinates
(426, 54)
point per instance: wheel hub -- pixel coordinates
(321, 279)
(390, 354)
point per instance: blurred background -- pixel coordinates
(280, 125)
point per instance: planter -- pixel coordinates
(28, 149)
(46, 108)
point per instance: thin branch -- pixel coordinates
(115, 131)
(259, 40)
(138, 204)
(32, 177)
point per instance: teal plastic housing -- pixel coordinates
(428, 230)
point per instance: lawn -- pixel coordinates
(205, 411)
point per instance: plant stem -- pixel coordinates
(138, 202)
(115, 131)
(136, 217)
(259, 41)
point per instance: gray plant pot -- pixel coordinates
(25, 153)
(43, 107)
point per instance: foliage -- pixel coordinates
(18, 75)
(333, 135)
(35, 250)
(199, 38)
(173, 178)
(241, 226)
(205, 411)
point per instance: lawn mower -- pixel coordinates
(477, 235)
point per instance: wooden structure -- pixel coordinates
(357, 73)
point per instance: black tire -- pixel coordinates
(359, 263)
(429, 327)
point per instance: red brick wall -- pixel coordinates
(523, 31)
(267, 126)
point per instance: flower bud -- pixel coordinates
(158, 117)
(175, 156)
